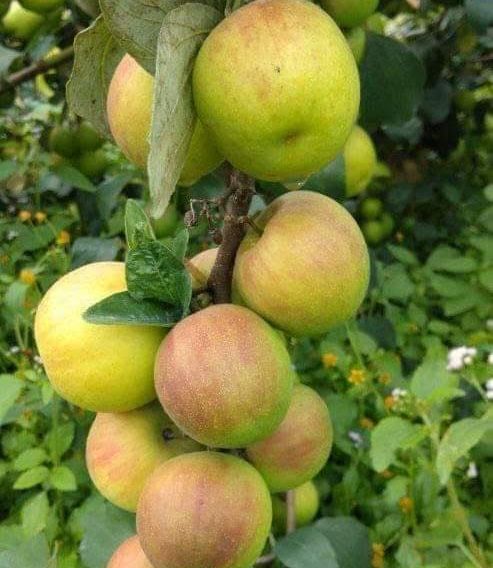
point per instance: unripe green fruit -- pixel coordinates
(129, 108)
(204, 510)
(388, 224)
(129, 555)
(350, 13)
(376, 23)
(306, 503)
(299, 448)
(92, 164)
(371, 208)
(374, 232)
(42, 6)
(360, 159)
(87, 138)
(105, 368)
(308, 271)
(356, 39)
(63, 141)
(464, 100)
(114, 441)
(166, 225)
(276, 86)
(224, 376)
(21, 23)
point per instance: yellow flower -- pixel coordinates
(406, 504)
(366, 423)
(27, 276)
(357, 377)
(63, 238)
(389, 402)
(329, 360)
(24, 215)
(377, 560)
(384, 378)
(40, 216)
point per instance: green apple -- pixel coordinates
(356, 39)
(277, 87)
(129, 555)
(200, 267)
(87, 138)
(21, 23)
(300, 446)
(350, 13)
(129, 109)
(308, 270)
(63, 141)
(204, 509)
(105, 368)
(388, 223)
(116, 439)
(374, 232)
(92, 164)
(376, 23)
(167, 224)
(360, 160)
(306, 504)
(371, 208)
(42, 6)
(224, 376)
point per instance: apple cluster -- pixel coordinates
(201, 429)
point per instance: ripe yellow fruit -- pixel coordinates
(129, 555)
(277, 87)
(105, 368)
(360, 159)
(129, 108)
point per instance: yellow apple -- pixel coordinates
(360, 160)
(129, 555)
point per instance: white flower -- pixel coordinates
(472, 471)
(399, 393)
(11, 235)
(355, 437)
(37, 360)
(458, 357)
(14, 350)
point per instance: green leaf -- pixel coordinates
(96, 56)
(31, 477)
(180, 243)
(306, 548)
(432, 375)
(33, 553)
(343, 412)
(7, 168)
(10, 389)
(173, 118)
(138, 226)
(94, 249)
(7, 57)
(154, 273)
(104, 528)
(396, 283)
(349, 539)
(458, 440)
(480, 13)
(389, 435)
(449, 287)
(330, 180)
(34, 514)
(60, 439)
(392, 81)
(74, 178)
(63, 479)
(486, 278)
(403, 255)
(122, 309)
(30, 458)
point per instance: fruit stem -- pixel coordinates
(290, 512)
(239, 195)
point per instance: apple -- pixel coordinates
(360, 160)
(200, 267)
(350, 13)
(105, 368)
(308, 271)
(92, 164)
(88, 139)
(21, 23)
(388, 223)
(356, 39)
(299, 448)
(116, 439)
(224, 376)
(129, 109)
(129, 555)
(276, 86)
(167, 224)
(42, 6)
(371, 208)
(306, 503)
(204, 509)
(63, 141)
(374, 232)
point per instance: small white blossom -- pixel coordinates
(399, 393)
(459, 357)
(355, 437)
(37, 359)
(472, 471)
(14, 350)
(11, 235)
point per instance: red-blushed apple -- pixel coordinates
(309, 268)
(224, 376)
(129, 555)
(276, 86)
(129, 109)
(205, 509)
(306, 503)
(124, 448)
(300, 447)
(105, 368)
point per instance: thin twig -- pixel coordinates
(36, 68)
(290, 512)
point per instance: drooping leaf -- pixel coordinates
(306, 548)
(180, 244)
(138, 227)
(392, 82)
(182, 33)
(349, 539)
(7, 56)
(74, 178)
(10, 389)
(122, 309)
(96, 56)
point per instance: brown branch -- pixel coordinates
(290, 512)
(36, 68)
(240, 192)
